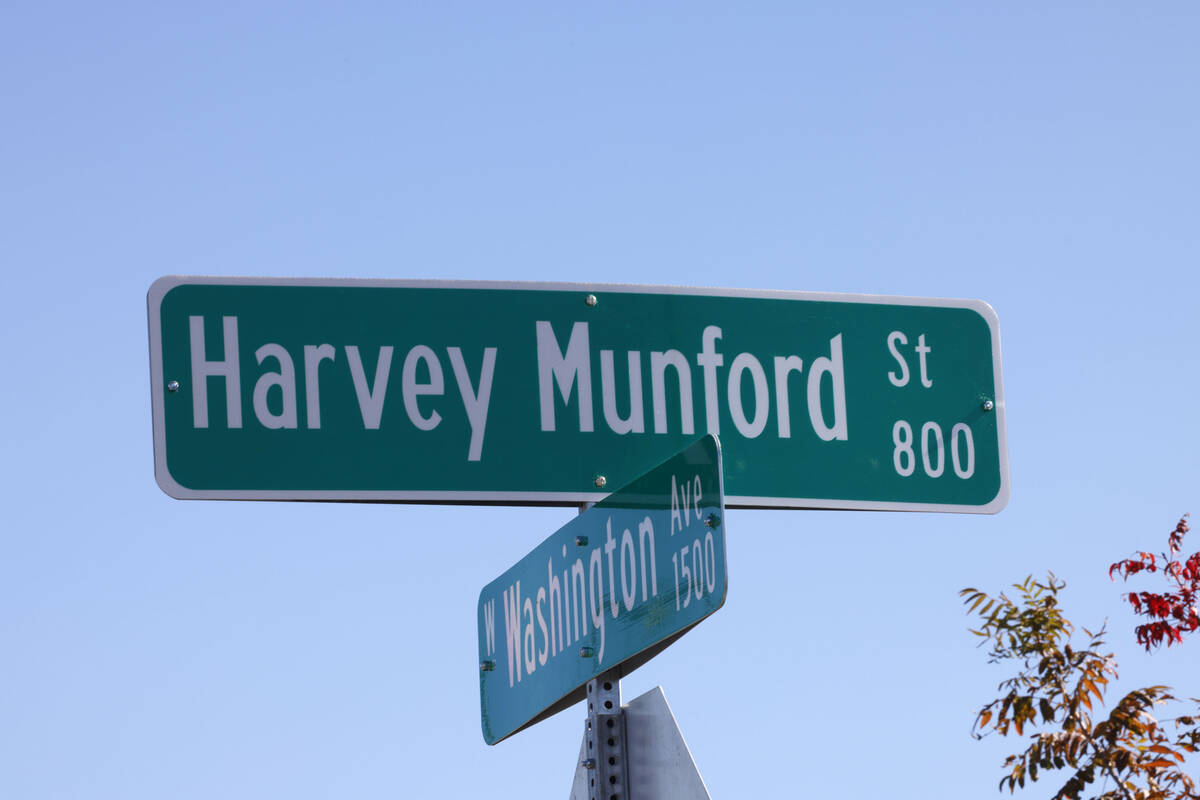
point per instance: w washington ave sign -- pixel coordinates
(428, 391)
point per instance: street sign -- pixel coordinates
(466, 392)
(612, 587)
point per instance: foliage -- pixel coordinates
(1055, 694)
(1174, 612)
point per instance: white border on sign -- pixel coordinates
(160, 287)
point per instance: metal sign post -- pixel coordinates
(604, 754)
(656, 761)
(605, 749)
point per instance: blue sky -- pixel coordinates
(1040, 157)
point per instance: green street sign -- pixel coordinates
(471, 392)
(612, 587)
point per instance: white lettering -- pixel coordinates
(922, 351)
(959, 470)
(676, 517)
(489, 625)
(596, 597)
(783, 368)
(411, 390)
(902, 378)
(709, 359)
(748, 363)
(904, 459)
(544, 652)
(557, 634)
(578, 589)
(530, 645)
(832, 366)
(228, 369)
(568, 629)
(658, 367)
(564, 369)
(370, 401)
(313, 356)
(610, 544)
(646, 532)
(512, 630)
(628, 577)
(936, 430)
(635, 422)
(475, 402)
(285, 379)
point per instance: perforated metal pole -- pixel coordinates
(605, 743)
(606, 749)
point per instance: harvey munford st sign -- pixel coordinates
(434, 391)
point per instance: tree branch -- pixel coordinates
(1108, 768)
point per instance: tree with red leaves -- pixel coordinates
(1172, 613)
(1129, 753)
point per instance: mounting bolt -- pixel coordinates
(581, 541)
(712, 521)
(585, 652)
(591, 300)
(987, 405)
(600, 481)
(172, 386)
(487, 666)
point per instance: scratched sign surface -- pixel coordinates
(614, 586)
